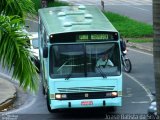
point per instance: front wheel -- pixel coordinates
(127, 65)
(48, 103)
(49, 107)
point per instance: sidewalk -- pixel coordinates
(7, 93)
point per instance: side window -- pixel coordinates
(44, 39)
(41, 34)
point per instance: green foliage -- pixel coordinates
(37, 4)
(17, 7)
(51, 3)
(128, 27)
(57, 3)
(14, 54)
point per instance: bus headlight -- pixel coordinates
(61, 96)
(114, 94)
(58, 96)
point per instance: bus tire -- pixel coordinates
(43, 90)
(48, 105)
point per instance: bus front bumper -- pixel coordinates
(86, 103)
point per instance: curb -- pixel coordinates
(4, 105)
(141, 47)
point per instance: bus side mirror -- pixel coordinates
(45, 52)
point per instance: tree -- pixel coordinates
(21, 8)
(14, 52)
(156, 49)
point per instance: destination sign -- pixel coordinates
(93, 37)
(84, 37)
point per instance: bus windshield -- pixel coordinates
(84, 60)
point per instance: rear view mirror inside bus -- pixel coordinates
(45, 52)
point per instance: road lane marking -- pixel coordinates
(141, 102)
(141, 9)
(135, 80)
(127, 96)
(110, 2)
(140, 51)
(35, 98)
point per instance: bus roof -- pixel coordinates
(73, 19)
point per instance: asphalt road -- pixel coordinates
(136, 9)
(140, 10)
(136, 85)
(136, 97)
(143, 69)
(141, 13)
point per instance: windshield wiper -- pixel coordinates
(69, 75)
(101, 72)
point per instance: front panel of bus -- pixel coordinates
(76, 81)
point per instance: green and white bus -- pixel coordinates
(71, 41)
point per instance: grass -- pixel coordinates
(129, 28)
(142, 40)
(50, 4)
(37, 4)
(57, 3)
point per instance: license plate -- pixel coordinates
(85, 103)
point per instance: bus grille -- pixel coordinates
(86, 89)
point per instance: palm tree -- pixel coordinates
(156, 49)
(14, 52)
(21, 8)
